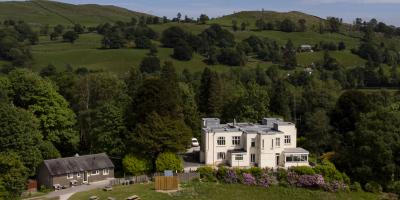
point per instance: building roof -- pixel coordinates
(295, 150)
(78, 164)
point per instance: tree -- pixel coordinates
(302, 25)
(143, 43)
(40, 97)
(243, 26)
(13, 176)
(341, 46)
(318, 132)
(235, 25)
(173, 36)
(153, 50)
(216, 35)
(168, 161)
(150, 64)
(54, 36)
(183, 52)
(70, 36)
(203, 18)
(159, 134)
(260, 24)
(135, 165)
(210, 98)
(59, 29)
(178, 17)
(333, 24)
(189, 107)
(19, 133)
(113, 40)
(232, 57)
(78, 28)
(329, 63)
(289, 54)
(287, 25)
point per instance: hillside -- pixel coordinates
(39, 12)
(268, 16)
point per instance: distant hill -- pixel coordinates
(268, 16)
(40, 12)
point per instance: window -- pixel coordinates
(239, 157)
(106, 171)
(221, 155)
(253, 142)
(95, 172)
(253, 158)
(272, 143)
(287, 139)
(297, 158)
(263, 144)
(278, 142)
(70, 176)
(236, 140)
(78, 174)
(221, 141)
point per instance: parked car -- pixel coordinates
(195, 143)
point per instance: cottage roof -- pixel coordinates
(295, 150)
(78, 164)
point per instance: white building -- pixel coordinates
(271, 144)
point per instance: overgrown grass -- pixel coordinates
(213, 191)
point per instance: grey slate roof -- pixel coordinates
(75, 164)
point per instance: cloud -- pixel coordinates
(354, 1)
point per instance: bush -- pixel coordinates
(248, 179)
(231, 177)
(183, 52)
(143, 43)
(150, 64)
(256, 171)
(134, 165)
(265, 180)
(356, 187)
(221, 173)
(281, 175)
(303, 170)
(207, 174)
(373, 187)
(231, 57)
(311, 181)
(335, 186)
(70, 36)
(394, 187)
(329, 171)
(168, 161)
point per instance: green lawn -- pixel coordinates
(213, 191)
(346, 58)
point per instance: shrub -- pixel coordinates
(329, 171)
(373, 187)
(70, 36)
(256, 171)
(168, 161)
(265, 180)
(281, 175)
(292, 178)
(335, 186)
(150, 64)
(303, 170)
(221, 173)
(134, 165)
(394, 187)
(356, 187)
(231, 177)
(207, 173)
(311, 181)
(183, 52)
(143, 43)
(248, 179)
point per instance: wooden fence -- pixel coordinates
(166, 182)
(183, 177)
(130, 180)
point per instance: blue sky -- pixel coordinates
(383, 10)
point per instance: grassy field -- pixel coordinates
(39, 12)
(213, 191)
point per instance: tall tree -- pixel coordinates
(289, 54)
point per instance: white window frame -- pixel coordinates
(78, 174)
(239, 157)
(278, 142)
(106, 171)
(236, 140)
(295, 158)
(221, 141)
(96, 172)
(221, 156)
(288, 139)
(252, 158)
(70, 175)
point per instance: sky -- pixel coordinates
(387, 11)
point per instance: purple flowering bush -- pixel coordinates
(265, 180)
(231, 177)
(292, 178)
(335, 186)
(248, 179)
(311, 181)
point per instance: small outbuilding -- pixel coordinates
(306, 48)
(77, 170)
